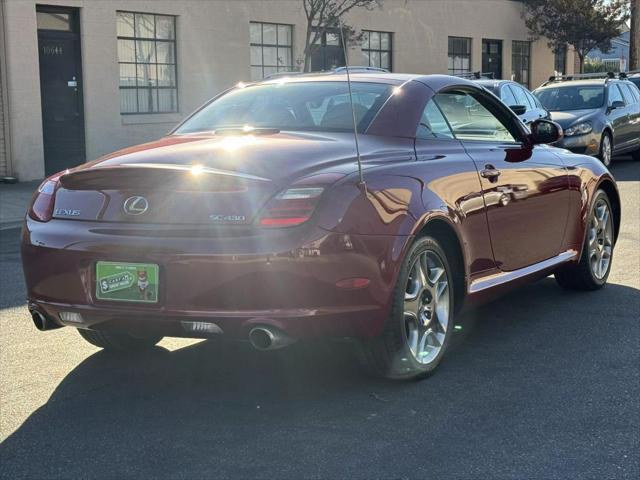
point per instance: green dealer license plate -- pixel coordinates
(127, 282)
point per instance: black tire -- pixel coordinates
(605, 158)
(118, 340)
(580, 276)
(388, 355)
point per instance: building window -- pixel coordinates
(560, 60)
(328, 52)
(521, 61)
(271, 49)
(147, 60)
(377, 49)
(459, 55)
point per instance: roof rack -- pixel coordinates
(580, 76)
(477, 75)
(628, 74)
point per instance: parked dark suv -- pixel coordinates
(516, 97)
(600, 116)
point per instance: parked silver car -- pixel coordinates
(600, 116)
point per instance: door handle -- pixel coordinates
(490, 172)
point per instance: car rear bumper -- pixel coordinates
(286, 278)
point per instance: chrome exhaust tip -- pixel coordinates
(41, 322)
(268, 338)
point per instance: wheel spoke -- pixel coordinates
(412, 306)
(441, 289)
(412, 338)
(435, 274)
(422, 345)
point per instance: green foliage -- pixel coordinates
(594, 65)
(583, 24)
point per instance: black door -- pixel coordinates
(329, 54)
(492, 57)
(60, 87)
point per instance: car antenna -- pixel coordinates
(353, 110)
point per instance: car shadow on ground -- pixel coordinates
(625, 169)
(223, 410)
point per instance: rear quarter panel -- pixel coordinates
(586, 175)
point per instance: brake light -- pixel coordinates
(44, 199)
(290, 207)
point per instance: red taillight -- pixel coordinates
(291, 207)
(44, 199)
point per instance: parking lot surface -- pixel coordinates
(539, 384)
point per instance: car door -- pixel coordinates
(450, 175)
(619, 117)
(525, 189)
(632, 99)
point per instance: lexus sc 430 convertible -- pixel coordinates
(257, 219)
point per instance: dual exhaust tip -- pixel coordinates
(269, 338)
(261, 337)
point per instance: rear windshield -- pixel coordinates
(575, 97)
(303, 106)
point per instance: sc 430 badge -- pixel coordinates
(220, 218)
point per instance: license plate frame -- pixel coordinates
(130, 282)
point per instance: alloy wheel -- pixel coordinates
(600, 239)
(427, 302)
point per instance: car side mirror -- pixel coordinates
(518, 109)
(545, 131)
(616, 104)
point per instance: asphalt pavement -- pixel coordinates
(540, 384)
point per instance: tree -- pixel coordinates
(325, 15)
(634, 39)
(583, 24)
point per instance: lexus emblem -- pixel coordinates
(135, 205)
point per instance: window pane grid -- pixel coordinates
(147, 60)
(377, 49)
(271, 51)
(520, 59)
(459, 55)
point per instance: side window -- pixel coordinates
(636, 91)
(614, 94)
(521, 97)
(532, 99)
(433, 124)
(628, 93)
(470, 120)
(507, 96)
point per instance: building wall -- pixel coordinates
(213, 54)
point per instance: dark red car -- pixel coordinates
(250, 220)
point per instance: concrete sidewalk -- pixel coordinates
(14, 201)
